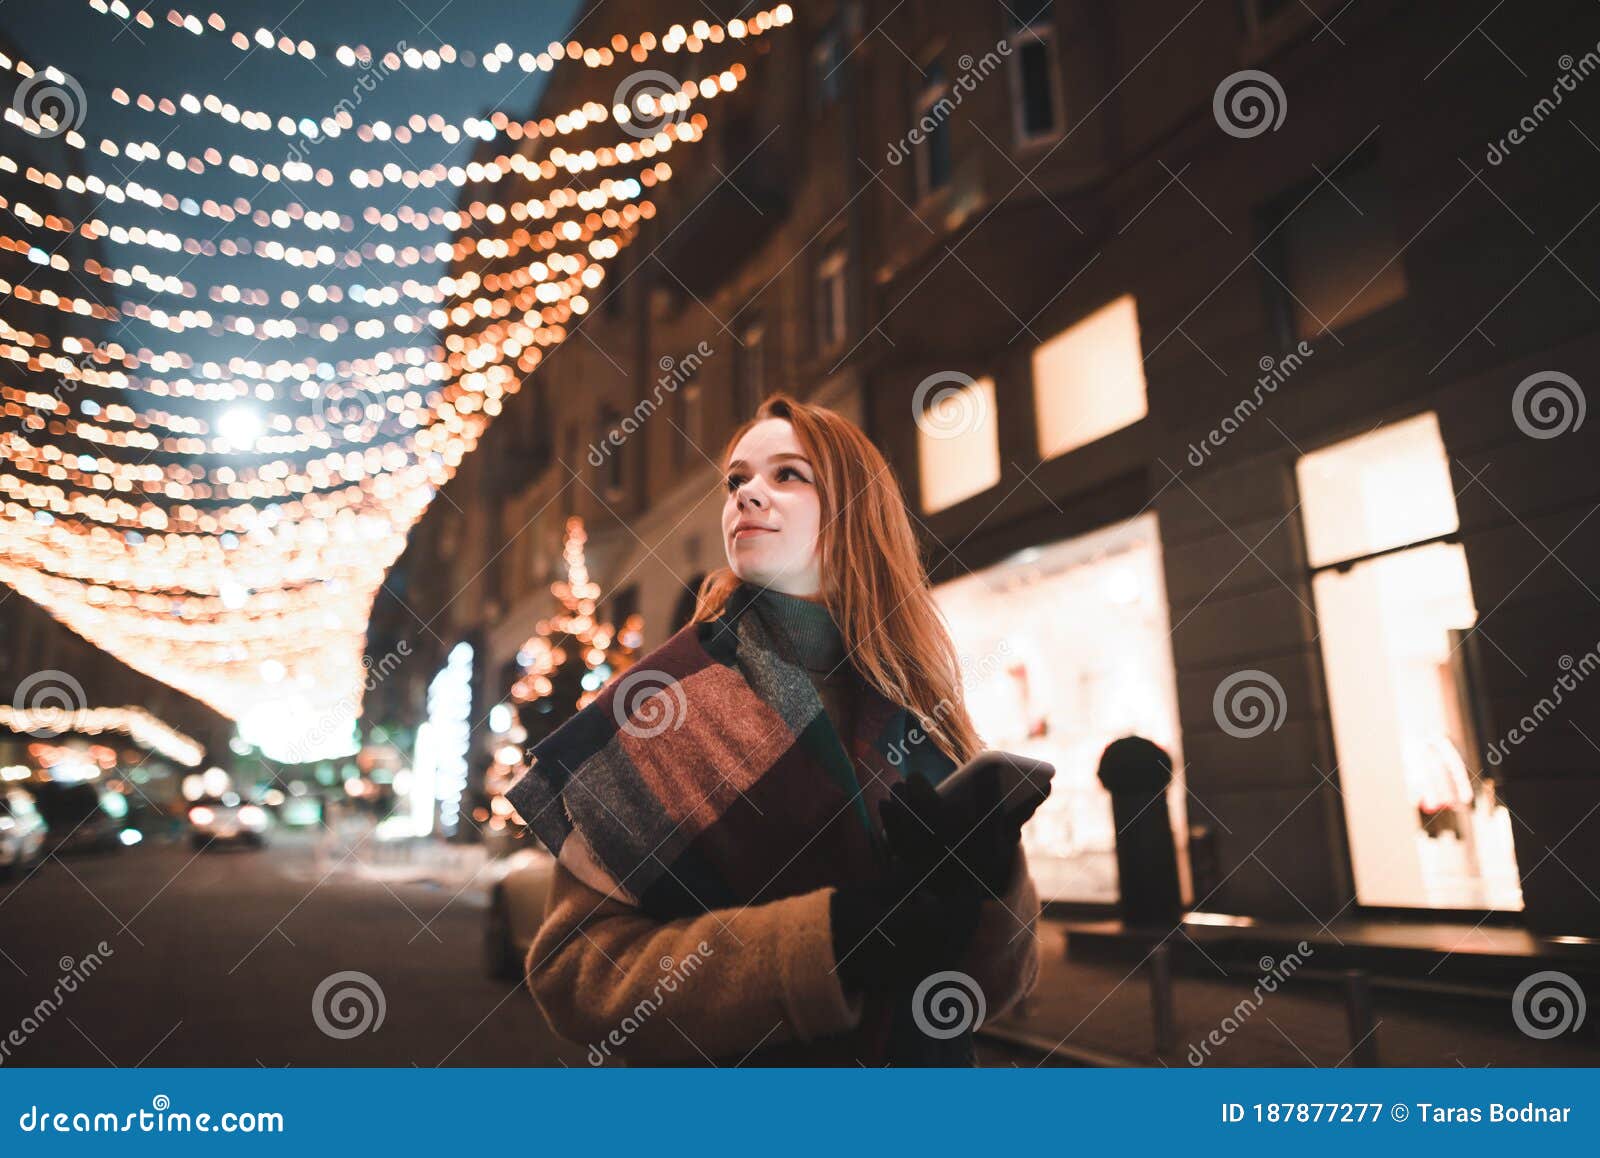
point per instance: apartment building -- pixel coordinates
(1232, 358)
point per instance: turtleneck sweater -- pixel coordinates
(807, 634)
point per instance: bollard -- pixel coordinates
(1359, 1019)
(1161, 1012)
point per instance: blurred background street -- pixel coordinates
(217, 957)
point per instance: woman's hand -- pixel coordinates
(893, 933)
(937, 841)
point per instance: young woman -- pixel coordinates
(753, 864)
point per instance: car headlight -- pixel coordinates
(252, 817)
(201, 815)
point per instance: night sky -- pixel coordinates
(103, 51)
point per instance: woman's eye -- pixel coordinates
(789, 470)
(733, 482)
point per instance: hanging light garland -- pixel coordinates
(675, 39)
(143, 728)
(649, 106)
(230, 541)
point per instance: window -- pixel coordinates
(933, 108)
(1330, 256)
(751, 371)
(1064, 648)
(830, 300)
(611, 299)
(537, 437)
(610, 470)
(689, 447)
(1395, 616)
(958, 444)
(1035, 71)
(1088, 380)
(827, 65)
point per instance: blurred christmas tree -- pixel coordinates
(563, 665)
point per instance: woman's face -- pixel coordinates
(773, 513)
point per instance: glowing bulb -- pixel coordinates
(240, 426)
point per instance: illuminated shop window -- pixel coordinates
(1065, 648)
(1088, 381)
(1395, 616)
(958, 444)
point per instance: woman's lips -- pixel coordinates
(746, 532)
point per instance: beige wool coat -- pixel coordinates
(749, 985)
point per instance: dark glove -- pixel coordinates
(889, 934)
(935, 841)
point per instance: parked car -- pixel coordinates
(227, 820)
(518, 888)
(77, 820)
(22, 831)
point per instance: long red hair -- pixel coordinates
(873, 581)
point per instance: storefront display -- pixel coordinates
(1065, 648)
(1426, 827)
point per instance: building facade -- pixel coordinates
(1232, 359)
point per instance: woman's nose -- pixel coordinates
(747, 495)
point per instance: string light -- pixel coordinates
(473, 172)
(230, 542)
(144, 729)
(677, 38)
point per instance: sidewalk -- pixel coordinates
(351, 851)
(1099, 1013)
